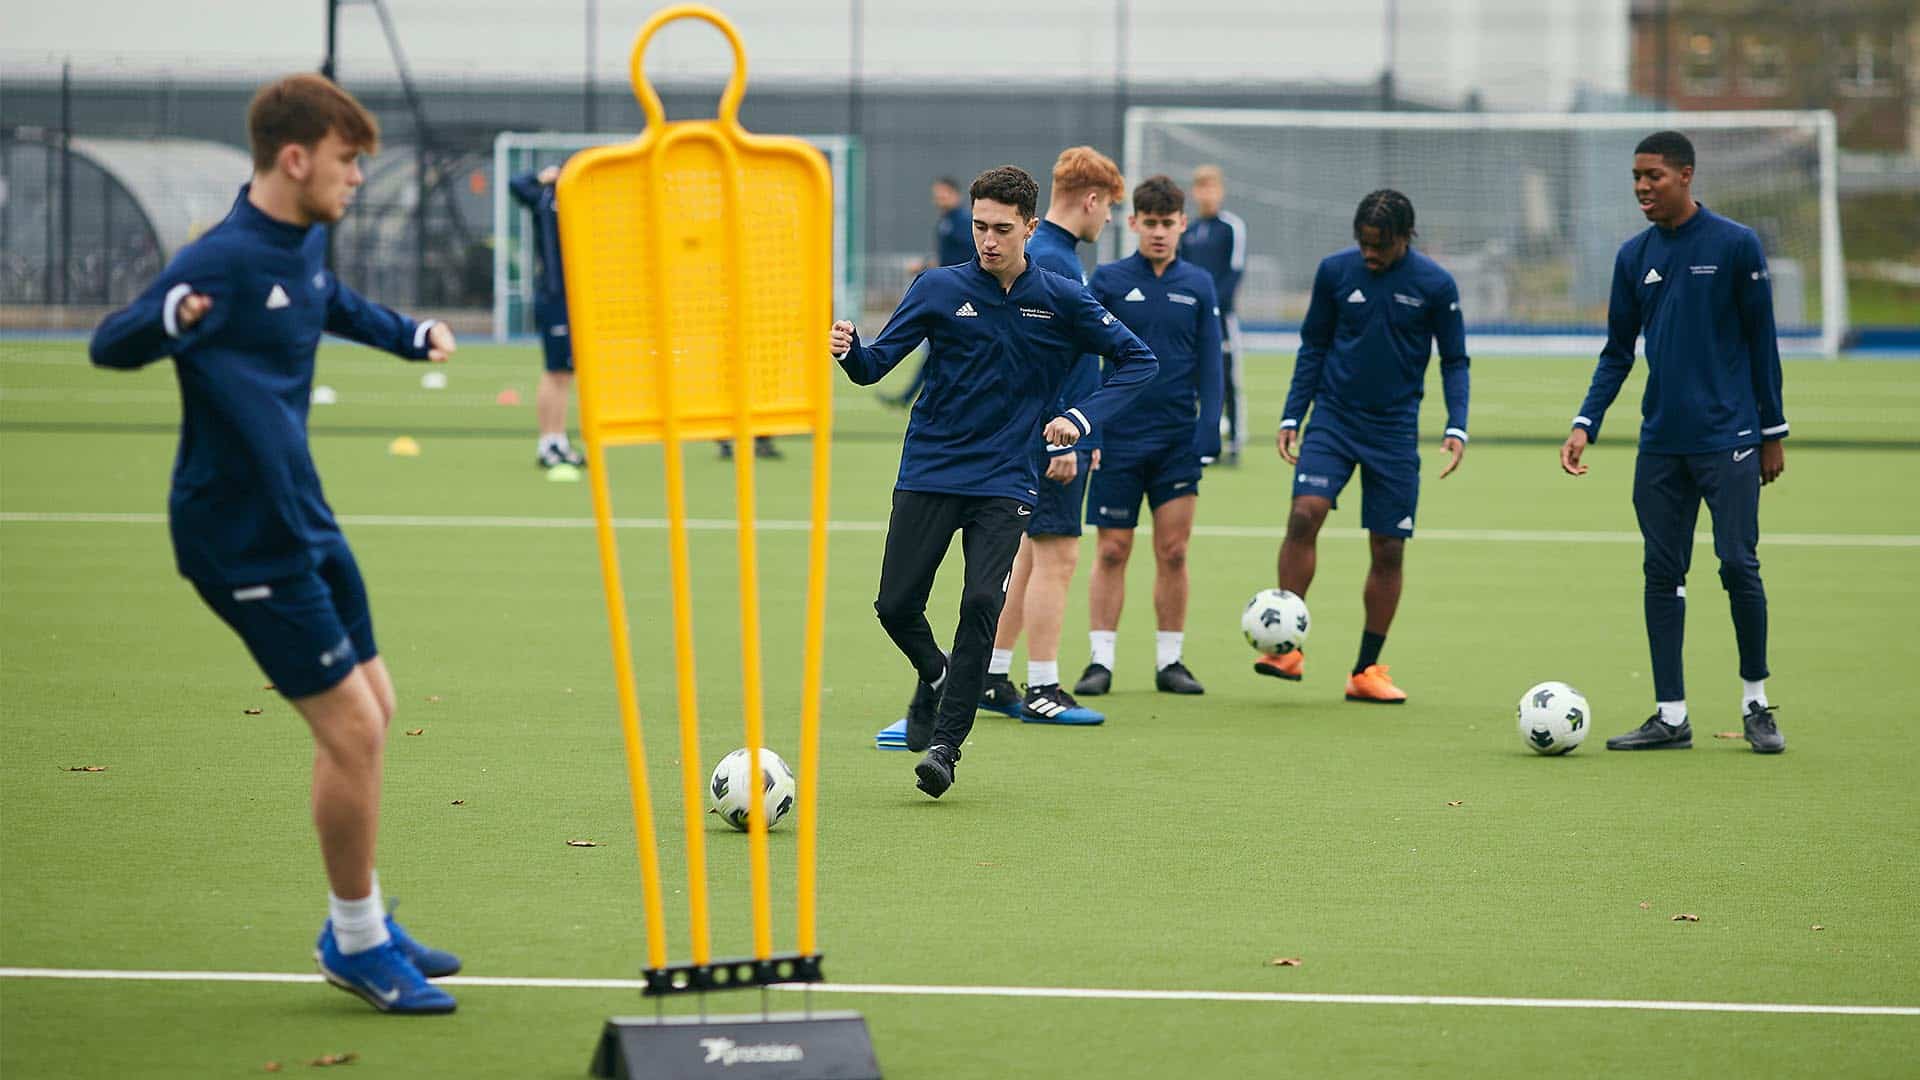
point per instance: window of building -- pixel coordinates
(1866, 63)
(1763, 65)
(1703, 62)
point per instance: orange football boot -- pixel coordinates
(1374, 687)
(1279, 666)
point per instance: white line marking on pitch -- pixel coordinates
(1256, 532)
(1060, 992)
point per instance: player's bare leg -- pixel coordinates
(1000, 694)
(1106, 595)
(349, 725)
(1054, 560)
(550, 410)
(1369, 681)
(1299, 555)
(1172, 528)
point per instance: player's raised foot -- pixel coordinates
(1761, 731)
(382, 976)
(433, 963)
(1373, 687)
(1001, 696)
(1096, 680)
(935, 771)
(1655, 734)
(1288, 666)
(921, 713)
(1052, 705)
(1176, 679)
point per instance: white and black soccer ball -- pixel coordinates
(731, 786)
(1275, 622)
(1554, 718)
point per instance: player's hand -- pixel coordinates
(1094, 465)
(1061, 432)
(840, 338)
(1452, 445)
(440, 343)
(1571, 450)
(1289, 443)
(1773, 460)
(192, 308)
(548, 175)
(1062, 468)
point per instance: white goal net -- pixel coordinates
(1526, 210)
(516, 152)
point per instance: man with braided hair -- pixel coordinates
(1377, 310)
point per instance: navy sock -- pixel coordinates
(1370, 645)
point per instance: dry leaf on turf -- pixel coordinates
(459, 802)
(86, 768)
(1817, 926)
(582, 843)
(347, 1058)
(1684, 917)
(1728, 735)
(416, 731)
(1644, 906)
(270, 686)
(1457, 802)
(433, 699)
(251, 712)
(271, 1066)
(1284, 961)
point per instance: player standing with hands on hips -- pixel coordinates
(240, 311)
(1696, 284)
(1002, 334)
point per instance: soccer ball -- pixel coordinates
(728, 789)
(1554, 718)
(1275, 621)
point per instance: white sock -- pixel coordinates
(1751, 692)
(359, 925)
(1043, 672)
(1673, 713)
(1101, 644)
(553, 441)
(1166, 647)
(1001, 663)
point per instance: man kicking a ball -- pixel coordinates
(1002, 335)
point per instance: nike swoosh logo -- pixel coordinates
(1742, 455)
(1022, 511)
(388, 996)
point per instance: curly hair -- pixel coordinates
(1008, 184)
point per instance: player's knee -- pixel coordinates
(1172, 555)
(894, 612)
(980, 604)
(1303, 524)
(352, 738)
(1113, 553)
(1740, 575)
(1389, 554)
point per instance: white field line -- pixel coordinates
(1255, 532)
(1054, 992)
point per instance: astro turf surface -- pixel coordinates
(1184, 846)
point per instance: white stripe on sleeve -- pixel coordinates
(1238, 260)
(170, 308)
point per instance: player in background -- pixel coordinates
(1155, 447)
(1216, 241)
(1002, 336)
(1712, 424)
(240, 311)
(535, 191)
(1376, 313)
(952, 245)
(1086, 185)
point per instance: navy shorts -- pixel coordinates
(556, 341)
(1162, 474)
(1389, 464)
(307, 632)
(1056, 507)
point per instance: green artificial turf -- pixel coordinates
(1182, 846)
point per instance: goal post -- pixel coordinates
(515, 152)
(1525, 209)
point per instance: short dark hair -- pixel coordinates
(1386, 210)
(947, 182)
(1008, 184)
(1159, 195)
(300, 110)
(1674, 148)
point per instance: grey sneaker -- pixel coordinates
(1655, 734)
(1761, 730)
